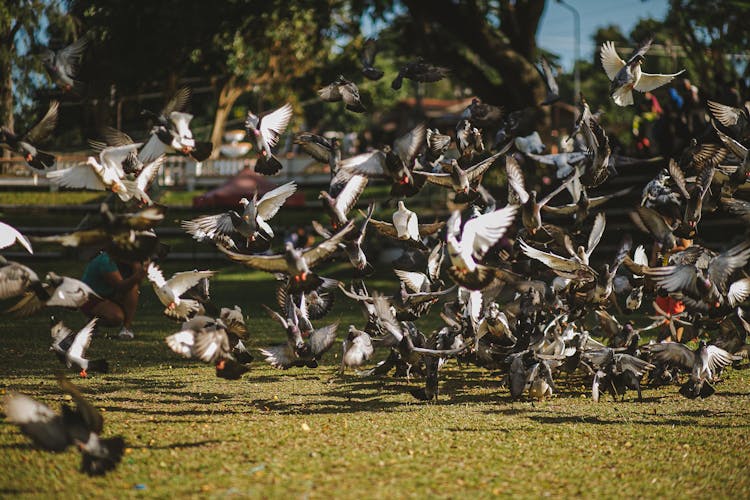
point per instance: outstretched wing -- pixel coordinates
(413, 280)
(272, 201)
(209, 226)
(430, 228)
(727, 115)
(673, 353)
(611, 62)
(82, 341)
(270, 263)
(476, 171)
(384, 228)
(37, 420)
(155, 275)
(436, 178)
(92, 417)
(738, 292)
(327, 247)
(600, 222)
(515, 178)
(322, 339)
(178, 102)
(648, 82)
(273, 124)
(69, 57)
(182, 282)
(407, 146)
(484, 231)
(46, 125)
(679, 178)
(9, 235)
(351, 192)
(555, 261)
(370, 164)
(148, 174)
(70, 293)
(80, 176)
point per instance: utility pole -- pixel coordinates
(577, 56)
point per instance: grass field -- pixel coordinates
(306, 432)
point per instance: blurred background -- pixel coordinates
(239, 55)
(246, 55)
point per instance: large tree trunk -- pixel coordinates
(228, 95)
(521, 85)
(7, 33)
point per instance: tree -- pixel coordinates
(20, 33)
(266, 53)
(237, 46)
(489, 45)
(710, 32)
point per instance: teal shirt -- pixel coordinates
(94, 274)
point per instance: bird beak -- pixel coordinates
(171, 306)
(29, 157)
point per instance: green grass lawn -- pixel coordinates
(306, 432)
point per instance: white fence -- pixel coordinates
(178, 171)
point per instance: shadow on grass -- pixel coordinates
(16, 446)
(668, 422)
(175, 446)
(14, 492)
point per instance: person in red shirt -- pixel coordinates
(670, 305)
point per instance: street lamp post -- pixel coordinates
(577, 56)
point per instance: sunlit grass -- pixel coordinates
(306, 432)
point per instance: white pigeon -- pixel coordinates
(356, 349)
(169, 292)
(178, 134)
(71, 347)
(137, 188)
(467, 246)
(57, 291)
(406, 223)
(9, 235)
(627, 76)
(103, 174)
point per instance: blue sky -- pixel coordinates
(556, 27)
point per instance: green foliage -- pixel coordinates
(710, 32)
(26, 28)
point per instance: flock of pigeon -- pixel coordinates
(518, 306)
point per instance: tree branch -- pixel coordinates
(521, 82)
